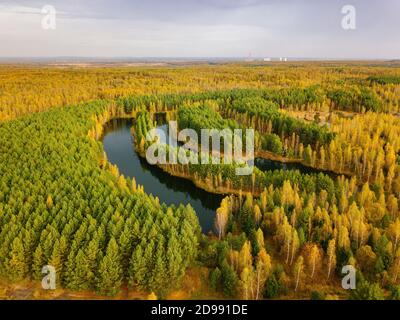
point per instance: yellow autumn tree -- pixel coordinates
(331, 254)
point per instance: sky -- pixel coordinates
(201, 28)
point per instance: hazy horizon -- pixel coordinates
(203, 29)
(183, 59)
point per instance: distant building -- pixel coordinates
(249, 58)
(267, 59)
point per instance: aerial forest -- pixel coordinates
(278, 233)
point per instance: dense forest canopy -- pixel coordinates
(26, 89)
(279, 233)
(62, 204)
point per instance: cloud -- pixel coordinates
(200, 28)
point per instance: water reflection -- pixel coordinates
(118, 145)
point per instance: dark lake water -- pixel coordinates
(118, 145)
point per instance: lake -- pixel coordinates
(118, 145)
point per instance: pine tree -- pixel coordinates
(17, 267)
(109, 276)
(229, 280)
(175, 264)
(215, 279)
(137, 267)
(159, 282)
(80, 277)
(57, 259)
(37, 263)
